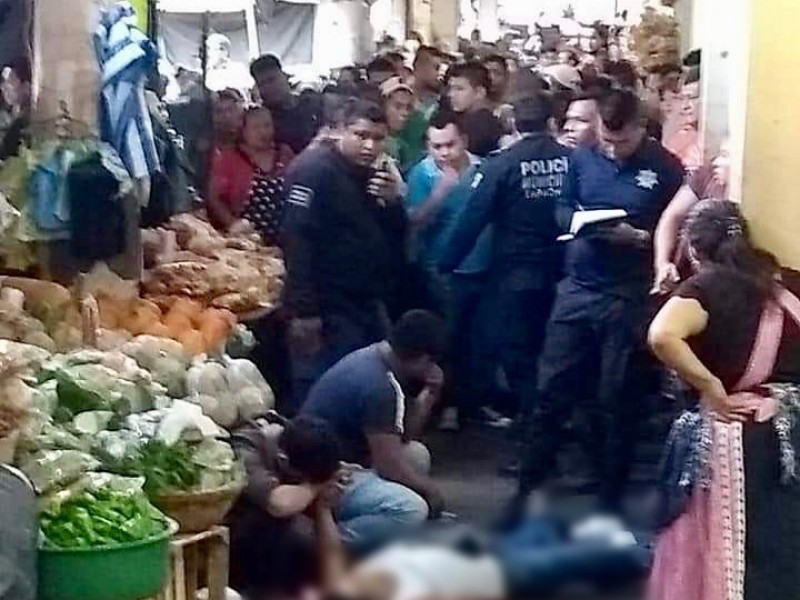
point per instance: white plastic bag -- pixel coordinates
(184, 417)
(248, 387)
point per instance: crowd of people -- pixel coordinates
(476, 240)
(456, 232)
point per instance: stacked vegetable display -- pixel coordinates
(42, 314)
(113, 411)
(103, 431)
(189, 258)
(138, 412)
(124, 315)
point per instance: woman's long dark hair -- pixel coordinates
(719, 235)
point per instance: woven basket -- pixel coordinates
(199, 511)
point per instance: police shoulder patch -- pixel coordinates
(300, 195)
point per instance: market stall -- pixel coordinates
(106, 436)
(121, 347)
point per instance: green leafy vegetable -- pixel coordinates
(77, 399)
(165, 468)
(100, 518)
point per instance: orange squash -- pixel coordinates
(158, 329)
(215, 330)
(140, 318)
(190, 308)
(192, 341)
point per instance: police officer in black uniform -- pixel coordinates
(344, 227)
(594, 349)
(516, 192)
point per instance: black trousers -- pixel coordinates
(592, 355)
(524, 314)
(345, 328)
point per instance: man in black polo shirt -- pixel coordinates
(344, 228)
(595, 337)
(297, 118)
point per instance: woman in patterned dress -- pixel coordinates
(732, 332)
(238, 172)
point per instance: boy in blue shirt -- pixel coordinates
(438, 190)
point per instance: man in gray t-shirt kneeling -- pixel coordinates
(363, 397)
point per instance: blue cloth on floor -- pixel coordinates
(539, 558)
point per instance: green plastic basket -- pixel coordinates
(125, 572)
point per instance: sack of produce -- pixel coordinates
(49, 469)
(253, 394)
(229, 392)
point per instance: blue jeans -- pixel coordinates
(539, 561)
(374, 511)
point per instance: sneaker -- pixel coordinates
(510, 469)
(495, 419)
(598, 526)
(449, 420)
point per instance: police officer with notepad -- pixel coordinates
(595, 336)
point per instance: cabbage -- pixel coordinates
(186, 421)
(92, 422)
(218, 463)
(207, 379)
(251, 403)
(253, 394)
(45, 397)
(171, 373)
(49, 469)
(222, 410)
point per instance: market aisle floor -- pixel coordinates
(466, 466)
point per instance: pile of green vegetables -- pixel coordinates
(101, 517)
(165, 468)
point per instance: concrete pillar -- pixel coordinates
(684, 14)
(388, 17)
(770, 168)
(719, 49)
(420, 18)
(399, 17)
(488, 20)
(342, 34)
(66, 69)
(445, 18)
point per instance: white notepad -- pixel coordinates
(582, 218)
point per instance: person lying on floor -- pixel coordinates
(364, 399)
(288, 465)
(539, 558)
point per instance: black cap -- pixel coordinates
(265, 62)
(533, 110)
